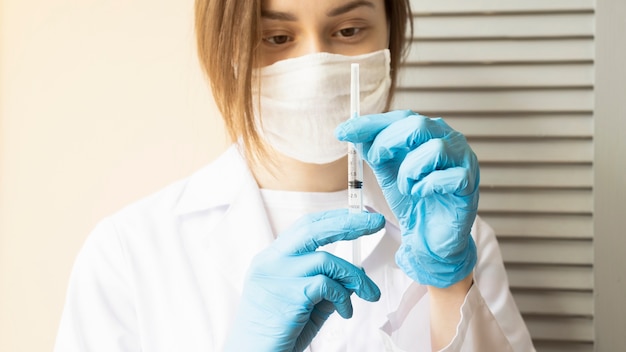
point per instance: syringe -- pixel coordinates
(355, 163)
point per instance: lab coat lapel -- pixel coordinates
(243, 232)
(224, 217)
(222, 224)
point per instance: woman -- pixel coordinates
(228, 259)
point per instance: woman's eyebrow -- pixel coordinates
(278, 16)
(287, 16)
(349, 7)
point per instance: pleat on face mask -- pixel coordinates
(302, 100)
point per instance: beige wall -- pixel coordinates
(101, 103)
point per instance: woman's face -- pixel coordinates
(292, 28)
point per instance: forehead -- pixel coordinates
(306, 8)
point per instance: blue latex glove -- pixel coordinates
(429, 176)
(291, 289)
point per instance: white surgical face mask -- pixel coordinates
(303, 99)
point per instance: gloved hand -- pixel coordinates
(291, 289)
(429, 176)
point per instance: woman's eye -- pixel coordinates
(349, 32)
(277, 39)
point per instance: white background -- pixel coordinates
(101, 103)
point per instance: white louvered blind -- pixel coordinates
(516, 77)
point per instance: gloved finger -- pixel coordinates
(455, 181)
(405, 135)
(318, 317)
(315, 230)
(321, 312)
(337, 269)
(439, 154)
(322, 288)
(428, 157)
(365, 128)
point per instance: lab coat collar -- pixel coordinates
(217, 184)
(242, 231)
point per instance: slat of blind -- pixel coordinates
(523, 125)
(562, 346)
(519, 150)
(574, 329)
(554, 302)
(550, 277)
(507, 76)
(547, 251)
(540, 225)
(519, 176)
(569, 24)
(496, 100)
(526, 50)
(549, 201)
(457, 6)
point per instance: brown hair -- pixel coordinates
(228, 34)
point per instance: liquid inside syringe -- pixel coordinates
(355, 179)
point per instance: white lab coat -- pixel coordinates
(166, 273)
